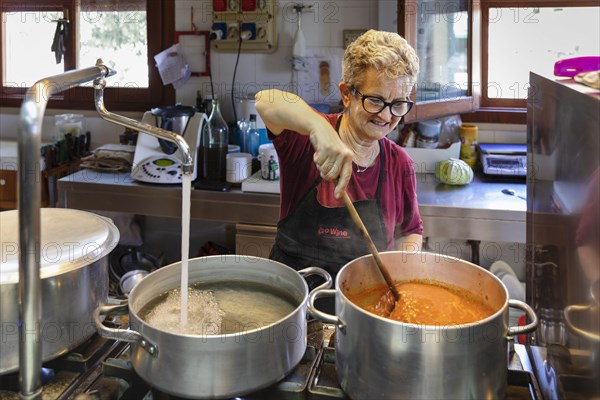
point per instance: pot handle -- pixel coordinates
(574, 308)
(126, 335)
(532, 326)
(312, 310)
(318, 271)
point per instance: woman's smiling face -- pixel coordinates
(374, 126)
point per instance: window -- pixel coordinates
(522, 36)
(115, 30)
(442, 47)
(532, 37)
(443, 34)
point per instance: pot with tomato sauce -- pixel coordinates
(447, 336)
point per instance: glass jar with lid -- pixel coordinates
(428, 133)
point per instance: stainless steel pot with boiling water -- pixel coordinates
(74, 280)
(378, 358)
(222, 365)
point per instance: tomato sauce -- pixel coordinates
(425, 302)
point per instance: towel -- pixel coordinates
(110, 157)
(59, 44)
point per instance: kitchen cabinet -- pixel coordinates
(447, 40)
(48, 181)
(8, 190)
(47, 178)
(254, 240)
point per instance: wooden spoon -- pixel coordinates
(384, 271)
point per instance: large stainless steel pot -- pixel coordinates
(377, 358)
(74, 280)
(216, 366)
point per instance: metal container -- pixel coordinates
(74, 280)
(224, 365)
(175, 119)
(378, 358)
(591, 318)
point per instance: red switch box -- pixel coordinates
(219, 5)
(248, 5)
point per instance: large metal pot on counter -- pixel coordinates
(379, 358)
(216, 365)
(74, 280)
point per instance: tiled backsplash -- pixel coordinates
(502, 133)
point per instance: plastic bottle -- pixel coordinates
(214, 145)
(252, 138)
(243, 126)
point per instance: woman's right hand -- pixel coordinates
(281, 110)
(332, 156)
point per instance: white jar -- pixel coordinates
(429, 133)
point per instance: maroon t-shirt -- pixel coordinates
(398, 192)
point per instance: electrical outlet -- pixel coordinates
(259, 35)
(350, 35)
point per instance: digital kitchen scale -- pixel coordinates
(151, 163)
(504, 160)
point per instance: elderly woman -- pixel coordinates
(321, 155)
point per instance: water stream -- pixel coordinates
(186, 193)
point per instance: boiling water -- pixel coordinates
(204, 317)
(219, 308)
(186, 193)
(248, 306)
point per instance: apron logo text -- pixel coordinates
(333, 232)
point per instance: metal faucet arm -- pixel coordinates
(188, 161)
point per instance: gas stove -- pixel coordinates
(100, 370)
(80, 374)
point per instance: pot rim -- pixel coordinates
(175, 265)
(489, 318)
(71, 254)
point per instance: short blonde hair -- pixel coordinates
(387, 52)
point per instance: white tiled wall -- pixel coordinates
(322, 26)
(502, 133)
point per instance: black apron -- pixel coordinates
(314, 235)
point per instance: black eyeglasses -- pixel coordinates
(375, 105)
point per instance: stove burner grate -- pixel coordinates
(100, 369)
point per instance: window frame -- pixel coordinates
(407, 27)
(161, 31)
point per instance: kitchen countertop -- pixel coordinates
(478, 211)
